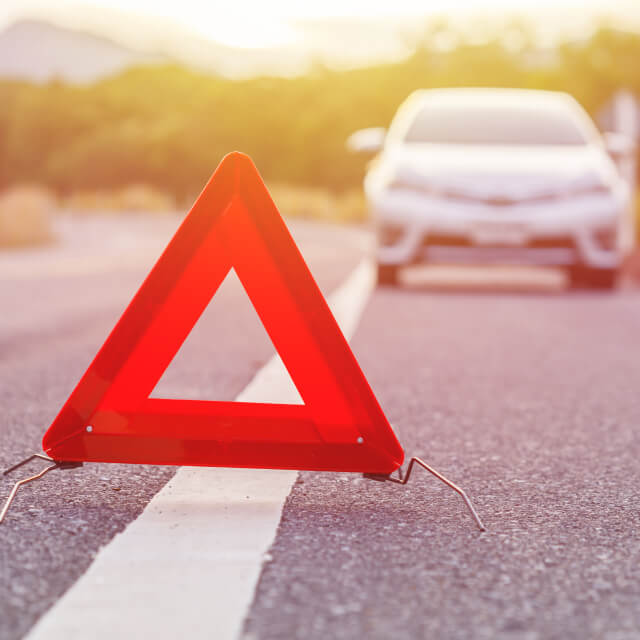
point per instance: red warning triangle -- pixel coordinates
(110, 417)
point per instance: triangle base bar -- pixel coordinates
(205, 453)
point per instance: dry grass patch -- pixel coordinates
(293, 201)
(319, 204)
(26, 216)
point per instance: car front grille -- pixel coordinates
(458, 240)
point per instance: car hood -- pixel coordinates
(492, 171)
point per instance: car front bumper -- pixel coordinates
(580, 230)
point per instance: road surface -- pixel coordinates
(521, 392)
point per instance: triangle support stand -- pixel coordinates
(57, 464)
(404, 479)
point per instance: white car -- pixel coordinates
(503, 176)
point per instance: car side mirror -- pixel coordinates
(367, 140)
(618, 145)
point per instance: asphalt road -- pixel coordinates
(521, 392)
(530, 401)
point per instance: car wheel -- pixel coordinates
(387, 274)
(593, 278)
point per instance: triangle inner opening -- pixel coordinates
(222, 353)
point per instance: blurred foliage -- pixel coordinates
(315, 203)
(168, 127)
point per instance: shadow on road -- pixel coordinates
(496, 280)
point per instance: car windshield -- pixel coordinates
(500, 125)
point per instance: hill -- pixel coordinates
(40, 51)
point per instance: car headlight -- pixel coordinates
(606, 237)
(389, 234)
(398, 184)
(596, 187)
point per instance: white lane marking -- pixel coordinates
(188, 566)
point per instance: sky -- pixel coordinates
(272, 23)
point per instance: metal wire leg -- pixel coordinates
(57, 464)
(41, 456)
(448, 482)
(422, 463)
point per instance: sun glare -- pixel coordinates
(244, 32)
(250, 24)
